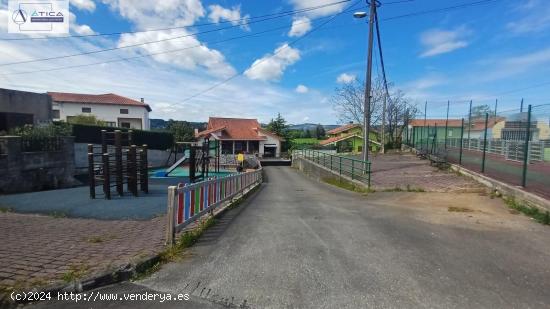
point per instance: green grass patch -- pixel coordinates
(338, 182)
(57, 214)
(530, 211)
(75, 273)
(459, 209)
(5, 209)
(409, 188)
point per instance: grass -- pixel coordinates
(408, 189)
(75, 273)
(57, 214)
(5, 209)
(306, 141)
(96, 239)
(346, 185)
(530, 211)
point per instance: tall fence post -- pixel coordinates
(427, 138)
(484, 144)
(106, 176)
(526, 146)
(461, 142)
(469, 124)
(143, 174)
(447, 124)
(118, 163)
(91, 170)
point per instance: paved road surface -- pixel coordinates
(301, 244)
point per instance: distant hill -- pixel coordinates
(310, 126)
(160, 124)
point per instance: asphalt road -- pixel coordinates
(301, 244)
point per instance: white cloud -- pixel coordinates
(437, 41)
(219, 13)
(3, 20)
(300, 26)
(345, 78)
(147, 14)
(272, 66)
(328, 10)
(512, 66)
(86, 5)
(301, 89)
(190, 59)
(534, 17)
(79, 29)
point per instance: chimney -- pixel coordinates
(142, 100)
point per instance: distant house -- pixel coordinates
(420, 128)
(349, 138)
(515, 126)
(18, 108)
(238, 135)
(115, 110)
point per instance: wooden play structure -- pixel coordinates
(116, 162)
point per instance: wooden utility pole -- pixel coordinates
(366, 108)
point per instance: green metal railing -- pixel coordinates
(355, 169)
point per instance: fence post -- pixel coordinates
(469, 124)
(427, 139)
(484, 144)
(447, 124)
(91, 171)
(118, 163)
(132, 171)
(143, 175)
(170, 228)
(526, 146)
(340, 169)
(352, 168)
(106, 176)
(461, 142)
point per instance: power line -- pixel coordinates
(449, 8)
(264, 59)
(257, 34)
(240, 21)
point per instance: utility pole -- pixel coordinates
(366, 108)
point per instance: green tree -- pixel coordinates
(278, 126)
(480, 111)
(320, 131)
(86, 119)
(182, 130)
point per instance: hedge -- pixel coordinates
(92, 134)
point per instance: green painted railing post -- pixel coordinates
(461, 142)
(352, 168)
(340, 169)
(526, 148)
(484, 144)
(368, 164)
(331, 162)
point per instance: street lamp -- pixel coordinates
(360, 14)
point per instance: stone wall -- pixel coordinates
(319, 172)
(39, 105)
(34, 171)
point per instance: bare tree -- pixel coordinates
(348, 101)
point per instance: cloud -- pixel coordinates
(345, 78)
(146, 14)
(300, 26)
(79, 29)
(437, 41)
(301, 89)
(272, 66)
(189, 59)
(85, 5)
(328, 10)
(535, 17)
(514, 65)
(3, 20)
(219, 13)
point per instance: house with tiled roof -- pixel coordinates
(349, 138)
(237, 135)
(115, 110)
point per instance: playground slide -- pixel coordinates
(178, 163)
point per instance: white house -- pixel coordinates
(115, 110)
(242, 136)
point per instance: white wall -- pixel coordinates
(105, 112)
(270, 141)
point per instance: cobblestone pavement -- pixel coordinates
(404, 171)
(41, 250)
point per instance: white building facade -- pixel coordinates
(115, 110)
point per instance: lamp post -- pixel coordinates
(366, 107)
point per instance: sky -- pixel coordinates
(286, 64)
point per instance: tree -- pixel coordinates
(320, 131)
(182, 130)
(480, 111)
(86, 119)
(278, 126)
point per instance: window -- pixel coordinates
(450, 133)
(125, 125)
(86, 109)
(56, 114)
(124, 111)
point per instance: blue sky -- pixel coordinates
(481, 53)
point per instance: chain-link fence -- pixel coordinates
(512, 146)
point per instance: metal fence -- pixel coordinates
(188, 202)
(353, 168)
(512, 146)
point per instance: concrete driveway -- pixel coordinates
(302, 244)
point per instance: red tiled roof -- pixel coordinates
(337, 139)
(343, 128)
(108, 98)
(236, 129)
